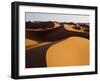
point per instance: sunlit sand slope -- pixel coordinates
(70, 28)
(29, 42)
(70, 52)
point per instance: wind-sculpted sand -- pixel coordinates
(30, 43)
(56, 44)
(69, 52)
(71, 28)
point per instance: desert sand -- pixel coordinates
(29, 43)
(56, 44)
(69, 52)
(71, 28)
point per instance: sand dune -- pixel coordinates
(56, 44)
(56, 24)
(70, 52)
(71, 28)
(56, 34)
(37, 45)
(36, 56)
(30, 43)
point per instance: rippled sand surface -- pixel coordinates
(73, 51)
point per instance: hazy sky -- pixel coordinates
(31, 16)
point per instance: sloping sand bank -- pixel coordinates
(70, 52)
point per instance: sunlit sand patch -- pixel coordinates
(73, 51)
(70, 28)
(83, 28)
(56, 24)
(29, 42)
(34, 30)
(39, 44)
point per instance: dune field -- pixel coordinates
(56, 44)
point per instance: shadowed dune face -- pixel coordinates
(42, 26)
(39, 25)
(70, 52)
(59, 32)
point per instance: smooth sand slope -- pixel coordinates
(29, 43)
(70, 52)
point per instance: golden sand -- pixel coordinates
(56, 24)
(29, 42)
(69, 52)
(70, 28)
(37, 45)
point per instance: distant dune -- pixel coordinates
(39, 25)
(55, 33)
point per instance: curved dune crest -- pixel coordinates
(56, 24)
(70, 28)
(70, 52)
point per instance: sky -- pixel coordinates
(35, 16)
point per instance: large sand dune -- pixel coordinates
(69, 52)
